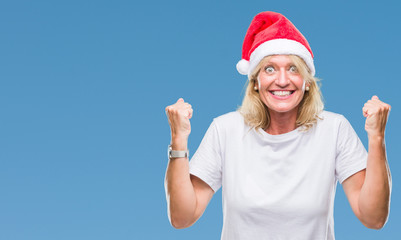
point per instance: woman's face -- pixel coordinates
(280, 85)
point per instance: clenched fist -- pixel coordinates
(178, 116)
(376, 113)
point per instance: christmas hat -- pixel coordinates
(271, 33)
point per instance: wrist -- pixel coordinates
(376, 141)
(376, 138)
(179, 143)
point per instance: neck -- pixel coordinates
(281, 123)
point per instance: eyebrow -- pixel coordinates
(272, 63)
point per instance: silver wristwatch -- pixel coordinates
(177, 154)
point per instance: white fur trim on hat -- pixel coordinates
(278, 47)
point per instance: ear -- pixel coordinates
(255, 85)
(307, 85)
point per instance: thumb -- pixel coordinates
(375, 97)
(180, 100)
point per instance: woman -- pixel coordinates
(279, 156)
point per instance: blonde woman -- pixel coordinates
(279, 157)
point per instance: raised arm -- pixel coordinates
(368, 191)
(187, 196)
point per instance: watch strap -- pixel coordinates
(177, 154)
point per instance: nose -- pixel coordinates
(282, 78)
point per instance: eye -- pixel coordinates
(269, 69)
(293, 69)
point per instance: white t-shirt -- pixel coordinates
(278, 186)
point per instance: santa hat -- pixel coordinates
(271, 33)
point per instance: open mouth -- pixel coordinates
(282, 93)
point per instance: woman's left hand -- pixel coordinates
(376, 113)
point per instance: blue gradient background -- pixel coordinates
(84, 85)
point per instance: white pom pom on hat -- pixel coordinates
(271, 33)
(243, 66)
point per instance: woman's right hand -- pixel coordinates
(178, 116)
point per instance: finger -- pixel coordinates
(372, 105)
(375, 97)
(365, 114)
(180, 100)
(373, 102)
(168, 109)
(190, 113)
(365, 111)
(368, 105)
(385, 105)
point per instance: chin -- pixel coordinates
(283, 109)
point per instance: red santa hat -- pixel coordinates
(271, 33)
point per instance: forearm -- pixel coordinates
(374, 199)
(180, 194)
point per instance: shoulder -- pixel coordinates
(329, 123)
(330, 118)
(331, 115)
(335, 124)
(230, 122)
(231, 117)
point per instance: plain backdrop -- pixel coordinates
(84, 86)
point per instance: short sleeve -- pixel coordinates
(206, 162)
(351, 154)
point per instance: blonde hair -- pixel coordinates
(256, 113)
